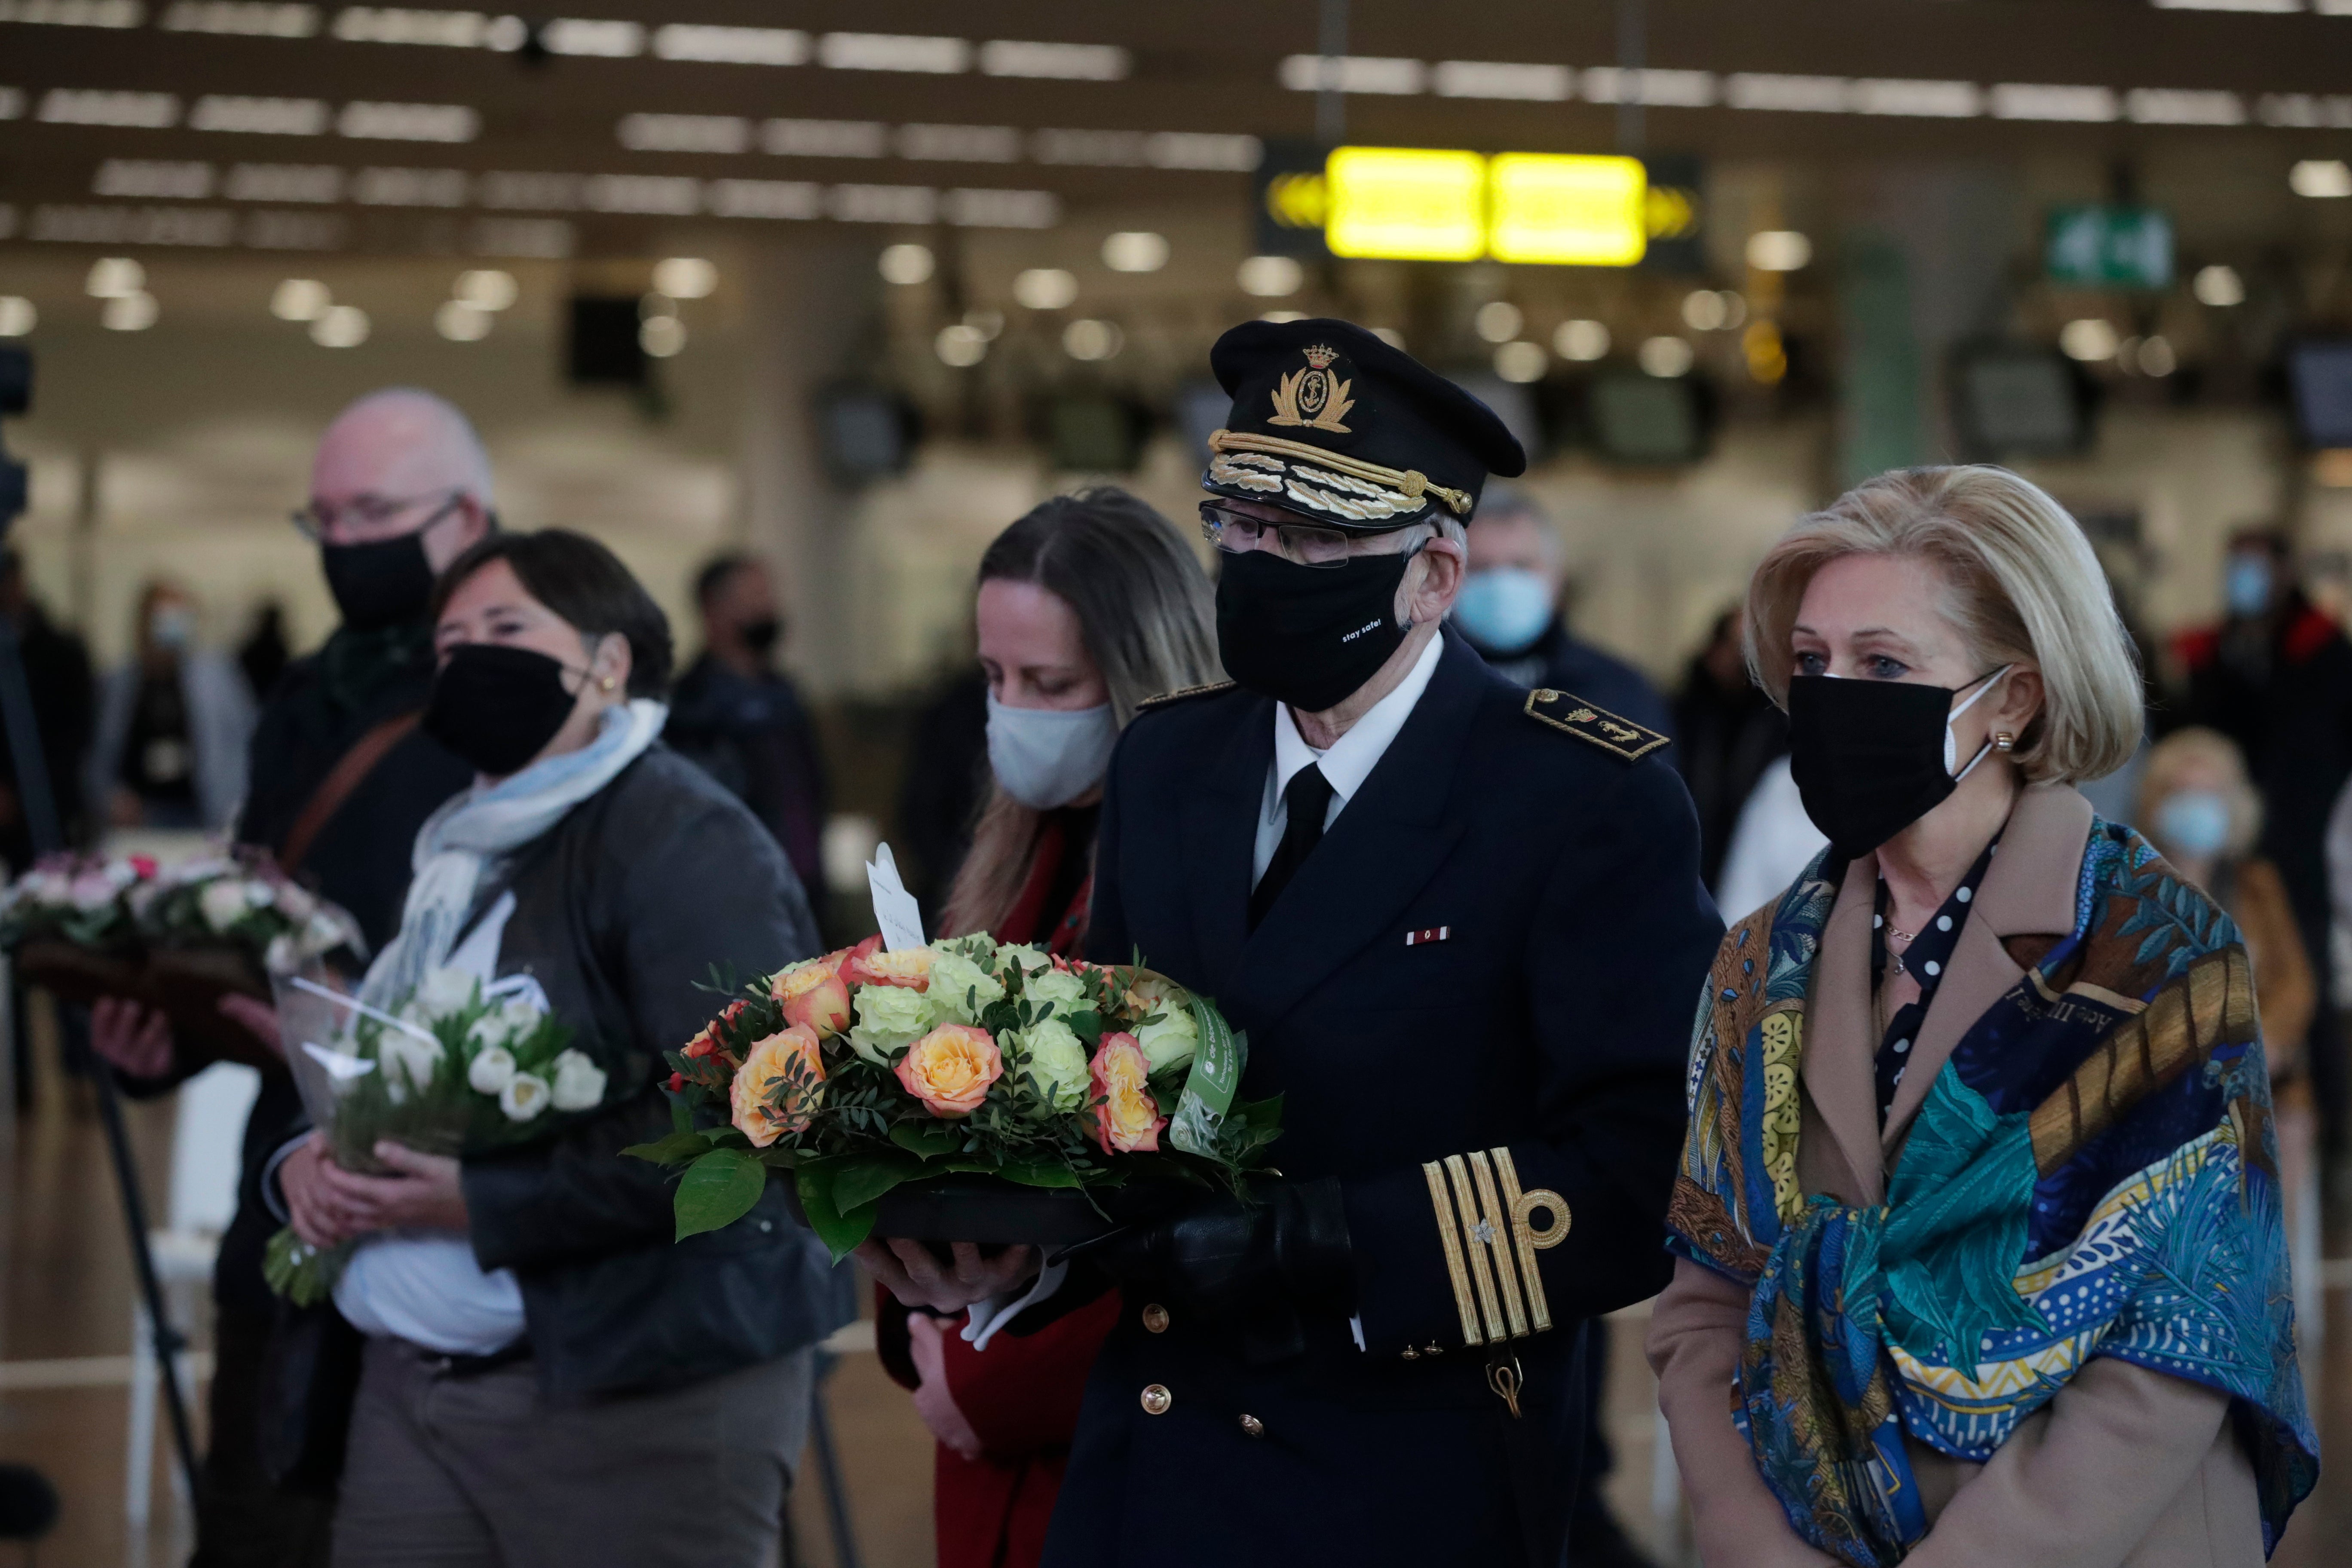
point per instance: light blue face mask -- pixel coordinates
(1045, 757)
(2247, 584)
(2195, 822)
(1503, 609)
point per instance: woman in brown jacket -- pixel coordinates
(1978, 1250)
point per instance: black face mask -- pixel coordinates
(1308, 636)
(497, 707)
(1872, 757)
(763, 635)
(379, 584)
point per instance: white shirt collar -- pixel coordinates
(1351, 758)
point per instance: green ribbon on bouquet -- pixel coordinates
(1218, 1057)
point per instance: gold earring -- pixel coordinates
(606, 684)
(2002, 740)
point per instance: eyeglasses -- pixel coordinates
(1302, 544)
(317, 520)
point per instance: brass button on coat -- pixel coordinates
(1156, 1399)
(1155, 1318)
(1253, 1426)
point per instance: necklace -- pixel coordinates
(1898, 933)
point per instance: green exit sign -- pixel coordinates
(2109, 248)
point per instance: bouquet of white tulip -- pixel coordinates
(456, 1068)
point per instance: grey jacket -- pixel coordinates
(621, 909)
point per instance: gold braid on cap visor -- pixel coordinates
(1372, 493)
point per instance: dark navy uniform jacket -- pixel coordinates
(1547, 870)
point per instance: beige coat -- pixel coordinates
(2124, 1468)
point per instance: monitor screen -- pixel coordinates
(1093, 435)
(866, 432)
(2320, 372)
(2018, 400)
(1639, 418)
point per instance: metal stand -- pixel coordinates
(38, 803)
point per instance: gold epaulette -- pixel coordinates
(1484, 1225)
(1181, 692)
(1618, 737)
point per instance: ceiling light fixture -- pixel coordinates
(1582, 341)
(1135, 250)
(1269, 276)
(2219, 286)
(1045, 288)
(299, 300)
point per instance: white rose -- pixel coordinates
(92, 891)
(445, 991)
(259, 893)
(491, 1070)
(409, 1059)
(1057, 1064)
(524, 1097)
(579, 1082)
(1065, 990)
(490, 1032)
(1172, 1038)
(224, 903)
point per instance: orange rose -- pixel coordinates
(949, 1068)
(707, 1044)
(814, 995)
(908, 966)
(770, 1065)
(1129, 1118)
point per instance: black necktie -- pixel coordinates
(1307, 802)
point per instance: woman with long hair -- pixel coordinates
(1087, 606)
(1979, 1248)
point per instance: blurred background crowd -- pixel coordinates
(795, 310)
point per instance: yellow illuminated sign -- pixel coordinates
(1405, 203)
(1572, 211)
(1413, 204)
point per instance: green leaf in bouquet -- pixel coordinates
(674, 1150)
(841, 1233)
(1087, 1025)
(859, 1180)
(718, 1189)
(926, 1142)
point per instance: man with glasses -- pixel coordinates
(342, 780)
(1463, 928)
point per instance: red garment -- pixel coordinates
(1025, 921)
(1020, 1394)
(1022, 1397)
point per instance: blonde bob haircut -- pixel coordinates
(2020, 584)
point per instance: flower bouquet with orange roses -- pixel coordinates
(966, 1089)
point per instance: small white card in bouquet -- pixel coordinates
(896, 912)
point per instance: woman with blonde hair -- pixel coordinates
(1977, 1219)
(1089, 606)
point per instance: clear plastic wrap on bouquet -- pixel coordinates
(455, 1067)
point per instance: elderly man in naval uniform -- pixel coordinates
(1463, 928)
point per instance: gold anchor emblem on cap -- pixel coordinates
(1313, 397)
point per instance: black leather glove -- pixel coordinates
(1247, 1269)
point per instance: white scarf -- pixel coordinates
(460, 841)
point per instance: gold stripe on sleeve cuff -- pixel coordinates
(1481, 1272)
(1497, 1227)
(1450, 1239)
(1519, 1205)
